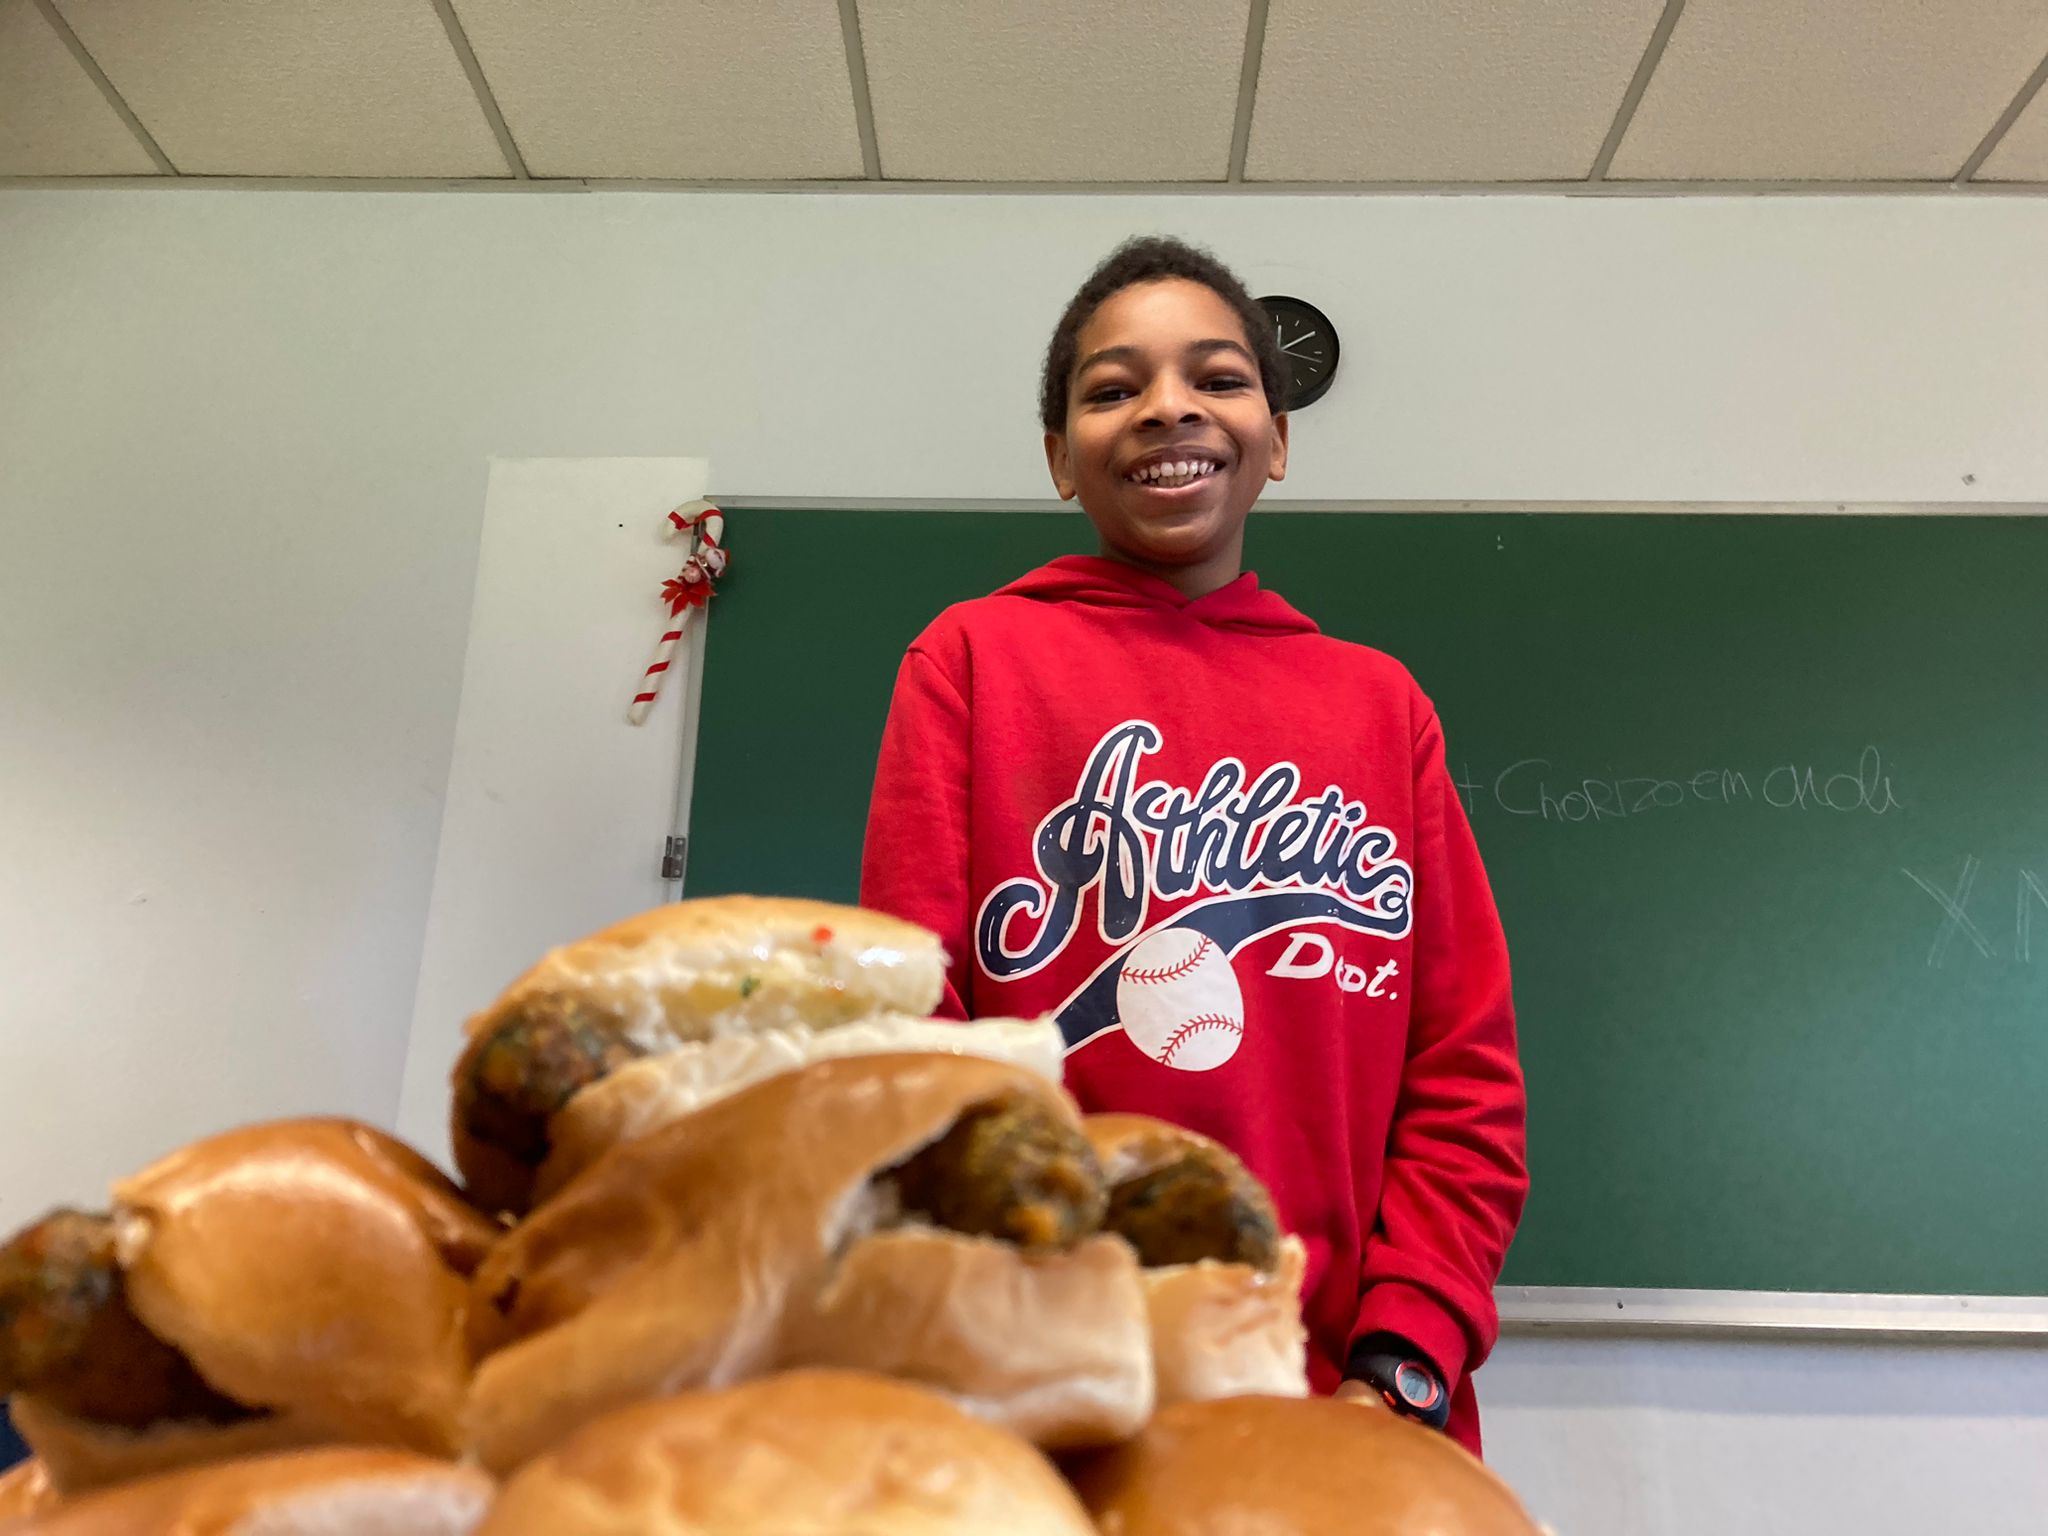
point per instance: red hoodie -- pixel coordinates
(1223, 849)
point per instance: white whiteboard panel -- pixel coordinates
(556, 808)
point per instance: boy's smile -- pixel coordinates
(1169, 439)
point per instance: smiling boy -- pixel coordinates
(1140, 793)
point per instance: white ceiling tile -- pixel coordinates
(53, 119)
(306, 88)
(1054, 90)
(1442, 90)
(2022, 155)
(670, 89)
(1850, 90)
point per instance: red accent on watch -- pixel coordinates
(1418, 1386)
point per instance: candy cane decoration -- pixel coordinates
(691, 588)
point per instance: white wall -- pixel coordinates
(242, 457)
(1638, 1436)
(557, 809)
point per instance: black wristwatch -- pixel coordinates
(1403, 1375)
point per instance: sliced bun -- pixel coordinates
(313, 1271)
(1050, 1347)
(694, 970)
(1228, 1330)
(698, 971)
(812, 1451)
(306, 1493)
(25, 1490)
(1293, 1467)
(1218, 1329)
(1131, 1146)
(743, 1238)
(84, 1455)
(654, 1091)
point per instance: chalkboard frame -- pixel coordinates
(1572, 1309)
(1548, 1309)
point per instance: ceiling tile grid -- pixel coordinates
(308, 88)
(1336, 93)
(53, 119)
(681, 90)
(1054, 90)
(2022, 155)
(1442, 90)
(1851, 90)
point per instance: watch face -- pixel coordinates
(1308, 344)
(1416, 1386)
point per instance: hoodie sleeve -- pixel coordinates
(1455, 1176)
(915, 858)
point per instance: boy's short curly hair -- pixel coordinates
(1148, 259)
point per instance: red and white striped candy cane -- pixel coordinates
(692, 588)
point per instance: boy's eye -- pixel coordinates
(1227, 381)
(1104, 394)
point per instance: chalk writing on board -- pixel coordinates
(2031, 893)
(1955, 907)
(2030, 906)
(1535, 787)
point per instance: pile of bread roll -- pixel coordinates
(744, 1243)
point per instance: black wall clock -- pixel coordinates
(1308, 343)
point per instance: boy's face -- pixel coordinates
(1166, 377)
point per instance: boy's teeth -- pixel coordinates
(1173, 474)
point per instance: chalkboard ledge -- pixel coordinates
(1538, 1309)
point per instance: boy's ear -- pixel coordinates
(1278, 470)
(1061, 463)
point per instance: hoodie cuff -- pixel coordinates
(1391, 1307)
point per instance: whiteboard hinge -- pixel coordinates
(675, 856)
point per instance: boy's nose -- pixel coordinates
(1170, 402)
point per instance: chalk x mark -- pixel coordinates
(1958, 919)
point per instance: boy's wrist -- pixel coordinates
(1403, 1376)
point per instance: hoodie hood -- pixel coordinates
(1242, 607)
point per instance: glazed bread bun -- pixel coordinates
(1222, 1283)
(1292, 1467)
(654, 1091)
(930, 1217)
(823, 1453)
(331, 1492)
(693, 970)
(673, 977)
(308, 1276)
(25, 1490)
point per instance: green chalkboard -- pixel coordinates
(1765, 804)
